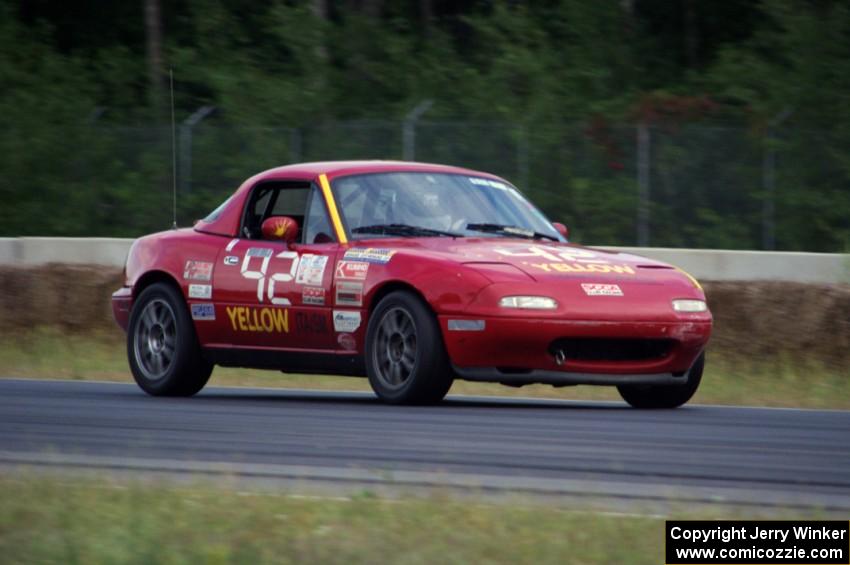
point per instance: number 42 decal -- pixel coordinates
(265, 254)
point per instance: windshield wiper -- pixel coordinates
(405, 230)
(507, 230)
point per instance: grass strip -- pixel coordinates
(44, 520)
(48, 353)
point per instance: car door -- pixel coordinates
(273, 294)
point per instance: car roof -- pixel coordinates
(227, 223)
(344, 168)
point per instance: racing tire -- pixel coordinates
(406, 360)
(162, 346)
(664, 396)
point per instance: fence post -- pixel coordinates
(186, 145)
(643, 181)
(522, 156)
(768, 175)
(768, 227)
(408, 129)
(295, 145)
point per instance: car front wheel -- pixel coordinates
(162, 347)
(664, 396)
(405, 357)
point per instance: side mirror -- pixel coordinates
(561, 229)
(280, 228)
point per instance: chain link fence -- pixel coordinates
(685, 186)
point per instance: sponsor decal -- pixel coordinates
(231, 245)
(352, 270)
(311, 323)
(347, 342)
(597, 289)
(311, 269)
(370, 255)
(200, 291)
(346, 321)
(486, 182)
(349, 294)
(258, 319)
(231, 260)
(578, 268)
(197, 271)
(259, 252)
(567, 260)
(203, 311)
(313, 295)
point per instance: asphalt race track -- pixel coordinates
(595, 451)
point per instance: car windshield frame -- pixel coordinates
(531, 220)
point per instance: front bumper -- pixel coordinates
(122, 301)
(518, 351)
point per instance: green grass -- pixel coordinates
(47, 353)
(43, 520)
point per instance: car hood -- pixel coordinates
(587, 283)
(542, 261)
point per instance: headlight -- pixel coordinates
(689, 306)
(528, 302)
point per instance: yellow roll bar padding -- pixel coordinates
(332, 210)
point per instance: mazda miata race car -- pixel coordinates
(412, 275)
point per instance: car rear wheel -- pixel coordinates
(162, 347)
(665, 396)
(405, 357)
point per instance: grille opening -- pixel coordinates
(611, 349)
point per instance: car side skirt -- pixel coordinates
(288, 361)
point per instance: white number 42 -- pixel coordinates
(265, 255)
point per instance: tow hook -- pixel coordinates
(560, 357)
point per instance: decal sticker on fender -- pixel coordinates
(258, 319)
(311, 269)
(370, 255)
(200, 291)
(231, 260)
(203, 311)
(197, 271)
(596, 289)
(349, 294)
(347, 342)
(352, 270)
(311, 323)
(346, 321)
(313, 295)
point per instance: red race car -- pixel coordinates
(410, 274)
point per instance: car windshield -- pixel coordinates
(437, 204)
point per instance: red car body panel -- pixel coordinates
(268, 296)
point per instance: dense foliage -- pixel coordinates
(744, 104)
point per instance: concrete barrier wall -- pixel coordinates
(728, 265)
(704, 264)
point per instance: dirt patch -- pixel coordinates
(754, 321)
